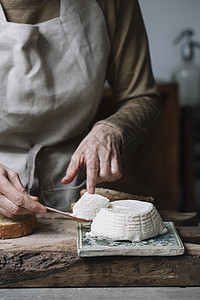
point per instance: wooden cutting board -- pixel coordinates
(114, 195)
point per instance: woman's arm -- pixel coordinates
(135, 95)
(134, 92)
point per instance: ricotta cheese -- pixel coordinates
(88, 206)
(128, 220)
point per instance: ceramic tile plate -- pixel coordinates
(168, 244)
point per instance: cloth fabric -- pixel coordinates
(50, 94)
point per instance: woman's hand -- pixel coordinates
(100, 153)
(14, 199)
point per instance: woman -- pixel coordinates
(55, 58)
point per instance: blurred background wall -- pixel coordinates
(164, 20)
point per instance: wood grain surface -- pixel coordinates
(48, 258)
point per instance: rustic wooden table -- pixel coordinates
(48, 258)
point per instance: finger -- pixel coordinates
(16, 182)
(72, 169)
(105, 168)
(116, 169)
(14, 179)
(35, 198)
(5, 213)
(19, 198)
(92, 166)
(10, 209)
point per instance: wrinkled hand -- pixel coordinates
(14, 199)
(100, 153)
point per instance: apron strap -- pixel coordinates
(2, 14)
(33, 152)
(72, 6)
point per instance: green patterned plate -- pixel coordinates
(168, 244)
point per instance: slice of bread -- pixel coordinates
(113, 195)
(17, 227)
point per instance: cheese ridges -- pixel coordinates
(128, 220)
(89, 205)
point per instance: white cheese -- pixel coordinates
(89, 205)
(128, 220)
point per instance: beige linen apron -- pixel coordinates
(51, 81)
